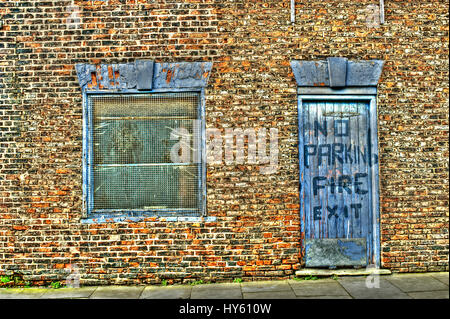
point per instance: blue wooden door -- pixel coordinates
(335, 182)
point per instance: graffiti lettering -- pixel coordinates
(344, 183)
(337, 153)
(338, 164)
(318, 127)
(336, 211)
(332, 211)
(357, 208)
(341, 128)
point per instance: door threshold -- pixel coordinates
(341, 272)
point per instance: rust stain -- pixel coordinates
(93, 80)
(111, 75)
(110, 72)
(169, 76)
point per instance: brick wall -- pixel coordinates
(257, 232)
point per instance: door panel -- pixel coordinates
(336, 182)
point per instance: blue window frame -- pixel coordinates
(127, 153)
(128, 168)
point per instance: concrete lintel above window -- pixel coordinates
(337, 73)
(143, 75)
(307, 90)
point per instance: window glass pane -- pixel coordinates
(130, 129)
(126, 105)
(138, 141)
(146, 187)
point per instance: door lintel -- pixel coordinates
(337, 72)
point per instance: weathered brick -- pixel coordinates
(257, 232)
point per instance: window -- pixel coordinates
(143, 139)
(130, 139)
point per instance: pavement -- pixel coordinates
(396, 286)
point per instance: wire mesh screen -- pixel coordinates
(132, 143)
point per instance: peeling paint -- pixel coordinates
(316, 73)
(127, 76)
(336, 252)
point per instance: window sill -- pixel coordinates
(136, 217)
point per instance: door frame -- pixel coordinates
(368, 94)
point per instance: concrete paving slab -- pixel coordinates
(68, 293)
(262, 286)
(437, 294)
(308, 288)
(340, 272)
(117, 292)
(321, 280)
(441, 276)
(170, 292)
(357, 287)
(21, 293)
(217, 291)
(416, 282)
(287, 294)
(403, 286)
